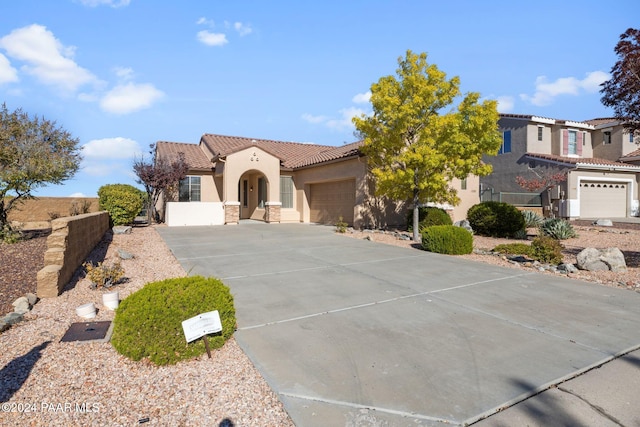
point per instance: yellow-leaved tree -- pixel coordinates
(414, 147)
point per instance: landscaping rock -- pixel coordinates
(12, 318)
(122, 229)
(567, 268)
(21, 305)
(592, 259)
(464, 224)
(32, 298)
(124, 254)
(603, 222)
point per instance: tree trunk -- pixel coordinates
(416, 215)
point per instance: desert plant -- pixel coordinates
(341, 226)
(521, 234)
(102, 275)
(531, 219)
(547, 250)
(79, 208)
(447, 239)
(54, 215)
(122, 201)
(10, 235)
(514, 249)
(428, 216)
(148, 323)
(495, 219)
(557, 228)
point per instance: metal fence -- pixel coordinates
(516, 199)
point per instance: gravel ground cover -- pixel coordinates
(45, 382)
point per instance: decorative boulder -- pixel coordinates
(603, 222)
(592, 259)
(464, 224)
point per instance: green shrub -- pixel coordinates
(429, 216)
(495, 219)
(10, 235)
(547, 250)
(447, 239)
(557, 228)
(148, 323)
(531, 219)
(122, 201)
(514, 249)
(341, 226)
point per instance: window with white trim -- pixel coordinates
(573, 142)
(606, 137)
(540, 130)
(506, 142)
(286, 191)
(631, 137)
(463, 184)
(189, 189)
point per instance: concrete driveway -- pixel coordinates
(351, 332)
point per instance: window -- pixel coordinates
(286, 191)
(189, 189)
(584, 138)
(262, 192)
(606, 137)
(506, 142)
(463, 184)
(540, 130)
(631, 137)
(245, 193)
(573, 142)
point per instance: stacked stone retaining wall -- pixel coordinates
(71, 240)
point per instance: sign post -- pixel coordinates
(202, 325)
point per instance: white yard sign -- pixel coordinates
(201, 325)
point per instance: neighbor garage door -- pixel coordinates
(331, 200)
(603, 199)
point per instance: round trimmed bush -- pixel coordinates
(148, 323)
(429, 216)
(447, 239)
(495, 219)
(547, 250)
(122, 201)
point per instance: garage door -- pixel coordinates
(331, 200)
(603, 199)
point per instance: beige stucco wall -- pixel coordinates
(468, 197)
(208, 190)
(535, 146)
(251, 159)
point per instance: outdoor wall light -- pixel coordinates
(251, 188)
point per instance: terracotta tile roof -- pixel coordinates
(630, 155)
(602, 121)
(292, 154)
(194, 156)
(594, 161)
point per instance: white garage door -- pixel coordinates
(331, 200)
(603, 200)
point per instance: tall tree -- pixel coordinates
(414, 149)
(622, 91)
(34, 152)
(159, 176)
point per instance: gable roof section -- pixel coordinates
(632, 156)
(193, 155)
(582, 162)
(292, 154)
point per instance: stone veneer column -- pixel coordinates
(231, 212)
(273, 211)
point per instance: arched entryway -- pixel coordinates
(253, 194)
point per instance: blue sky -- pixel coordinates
(122, 74)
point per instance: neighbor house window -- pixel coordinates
(540, 130)
(463, 184)
(189, 189)
(262, 192)
(286, 191)
(584, 138)
(631, 137)
(506, 142)
(606, 137)
(573, 142)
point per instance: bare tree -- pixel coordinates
(160, 176)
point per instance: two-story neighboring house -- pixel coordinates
(601, 179)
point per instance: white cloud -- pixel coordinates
(212, 39)
(77, 195)
(505, 104)
(110, 148)
(344, 122)
(362, 98)
(46, 58)
(130, 97)
(242, 29)
(314, 119)
(205, 21)
(112, 3)
(7, 72)
(123, 73)
(546, 91)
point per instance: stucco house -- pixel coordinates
(234, 178)
(599, 157)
